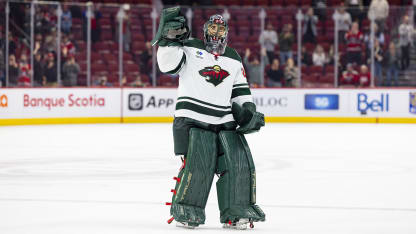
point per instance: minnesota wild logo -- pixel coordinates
(214, 74)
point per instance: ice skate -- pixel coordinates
(239, 225)
(186, 225)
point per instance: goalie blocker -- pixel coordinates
(214, 149)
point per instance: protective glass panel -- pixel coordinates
(2, 44)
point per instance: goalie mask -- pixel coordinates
(215, 34)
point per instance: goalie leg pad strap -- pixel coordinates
(192, 190)
(236, 187)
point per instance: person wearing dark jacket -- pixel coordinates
(286, 41)
(306, 57)
(13, 71)
(276, 74)
(392, 61)
(378, 62)
(309, 28)
(50, 72)
(70, 72)
(38, 68)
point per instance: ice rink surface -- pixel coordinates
(311, 179)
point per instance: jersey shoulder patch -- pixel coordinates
(195, 43)
(232, 53)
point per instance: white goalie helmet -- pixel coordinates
(215, 34)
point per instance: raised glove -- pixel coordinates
(173, 29)
(247, 117)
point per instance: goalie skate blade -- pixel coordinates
(240, 225)
(185, 225)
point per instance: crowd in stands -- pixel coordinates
(276, 46)
(354, 37)
(72, 48)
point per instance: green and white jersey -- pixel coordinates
(208, 84)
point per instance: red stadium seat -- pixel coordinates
(277, 2)
(292, 3)
(316, 70)
(262, 2)
(328, 78)
(309, 78)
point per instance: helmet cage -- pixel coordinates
(216, 44)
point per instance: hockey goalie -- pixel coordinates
(214, 110)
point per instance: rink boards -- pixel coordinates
(152, 105)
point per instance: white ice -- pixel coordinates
(311, 179)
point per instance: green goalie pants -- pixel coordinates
(227, 154)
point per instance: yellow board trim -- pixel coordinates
(91, 120)
(397, 120)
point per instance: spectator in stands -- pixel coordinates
(38, 47)
(66, 19)
(379, 35)
(355, 8)
(319, 57)
(344, 21)
(306, 58)
(254, 67)
(50, 19)
(103, 82)
(13, 70)
(355, 42)
(309, 27)
(331, 55)
(50, 72)
(38, 68)
(70, 72)
(2, 68)
(268, 39)
(146, 56)
(320, 8)
(126, 27)
(25, 71)
(379, 9)
(124, 81)
(350, 76)
(50, 42)
(286, 41)
(406, 32)
(291, 74)
(137, 82)
(392, 59)
(95, 24)
(12, 44)
(378, 62)
(67, 48)
(364, 78)
(276, 74)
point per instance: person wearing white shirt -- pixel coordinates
(344, 21)
(406, 32)
(379, 9)
(319, 57)
(268, 39)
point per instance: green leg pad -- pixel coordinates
(193, 215)
(196, 178)
(236, 187)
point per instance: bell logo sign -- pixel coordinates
(3, 101)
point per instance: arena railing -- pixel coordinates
(42, 44)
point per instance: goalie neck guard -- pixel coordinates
(215, 34)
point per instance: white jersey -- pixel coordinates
(208, 84)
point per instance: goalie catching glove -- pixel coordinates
(173, 29)
(247, 117)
